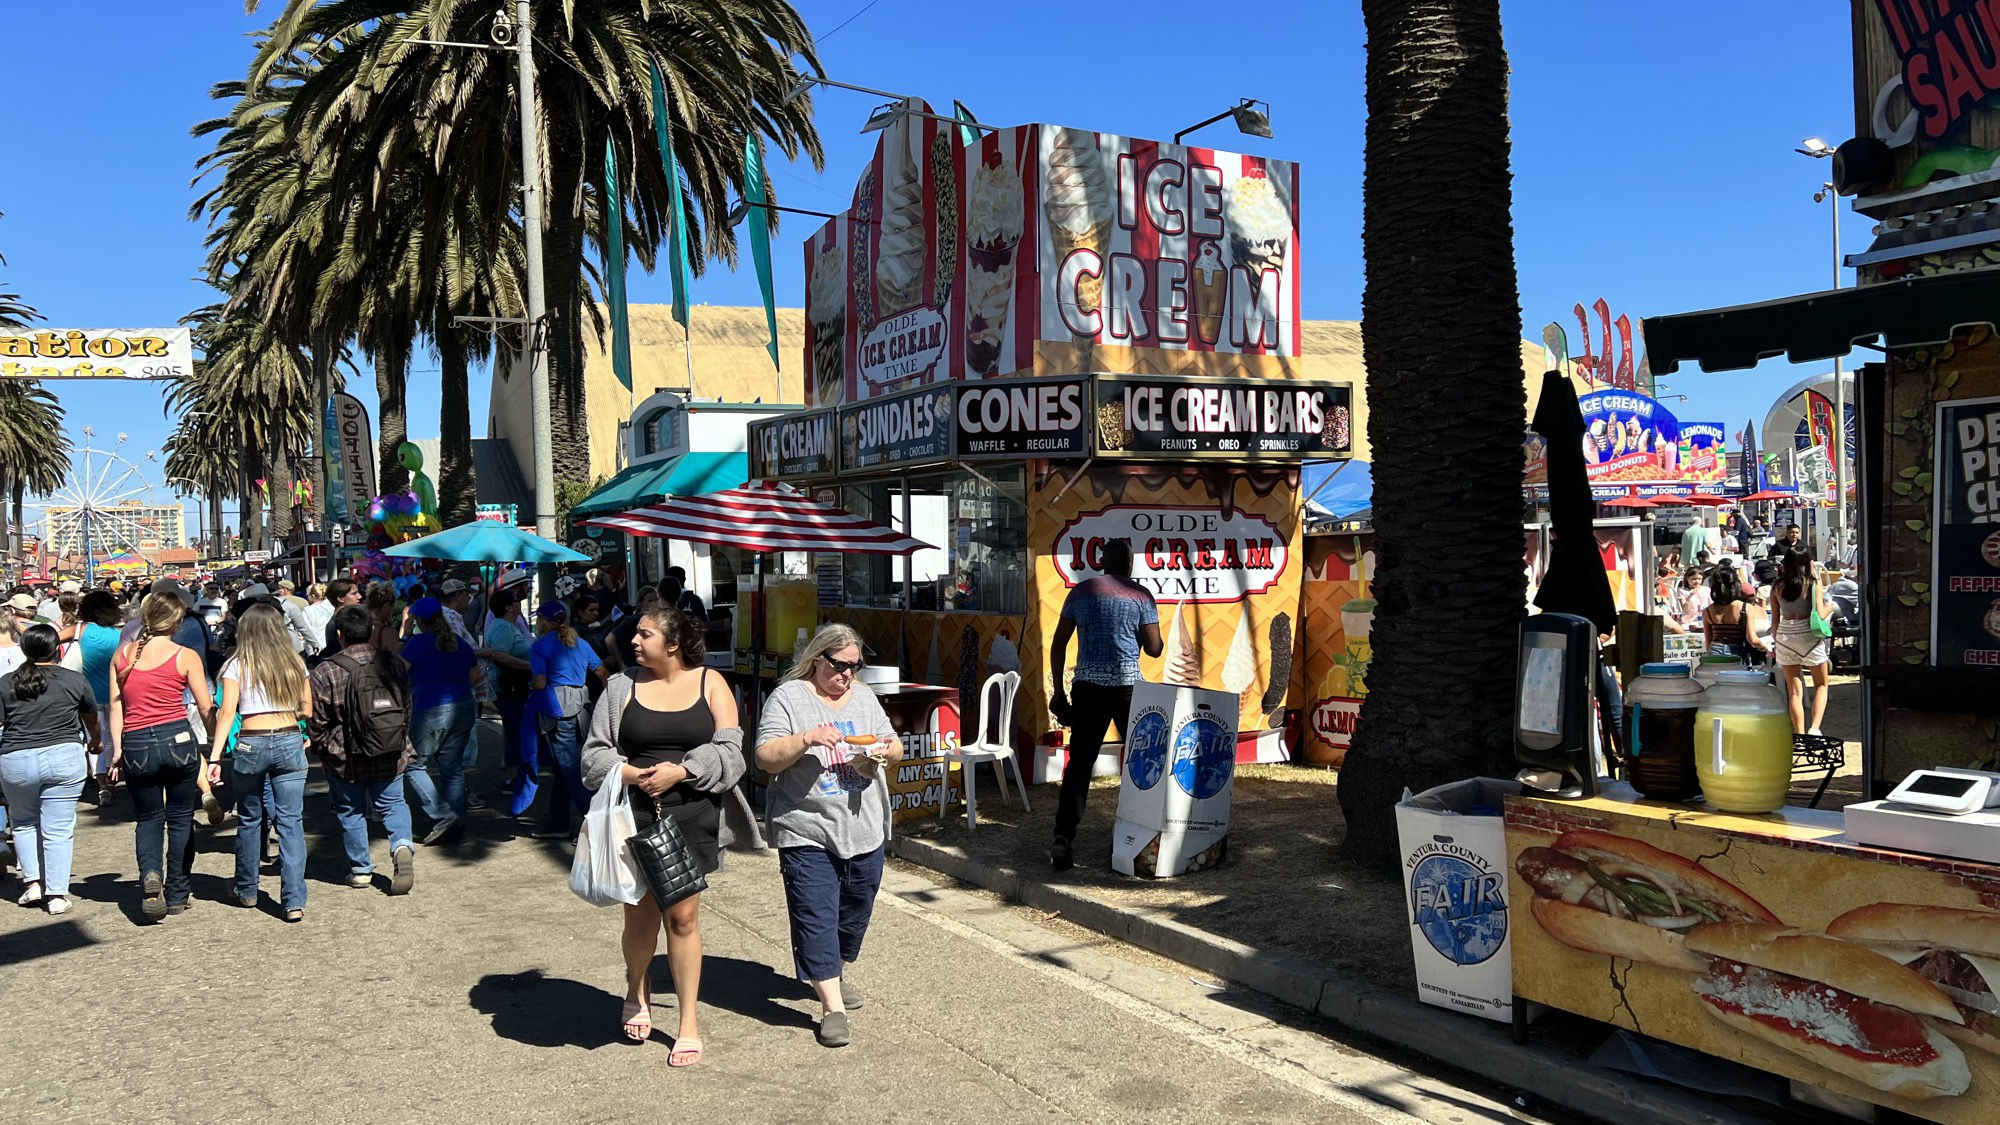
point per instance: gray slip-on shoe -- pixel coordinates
(832, 1030)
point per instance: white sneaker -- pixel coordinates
(32, 895)
(58, 904)
(1815, 732)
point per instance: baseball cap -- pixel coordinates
(451, 586)
(423, 609)
(552, 611)
(71, 586)
(287, 584)
(22, 603)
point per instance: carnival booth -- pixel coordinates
(1021, 347)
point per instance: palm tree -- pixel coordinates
(1447, 583)
(375, 104)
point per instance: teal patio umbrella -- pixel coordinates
(487, 541)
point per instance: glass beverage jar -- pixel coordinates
(1661, 706)
(1743, 743)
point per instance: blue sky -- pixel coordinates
(1652, 149)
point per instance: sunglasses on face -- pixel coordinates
(842, 667)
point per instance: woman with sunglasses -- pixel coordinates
(827, 744)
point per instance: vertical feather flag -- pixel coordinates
(678, 263)
(614, 268)
(760, 233)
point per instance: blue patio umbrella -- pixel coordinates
(487, 541)
(1340, 489)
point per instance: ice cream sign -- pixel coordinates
(1178, 553)
(1630, 438)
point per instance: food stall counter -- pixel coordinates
(1711, 930)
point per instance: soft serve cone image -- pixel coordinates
(1182, 659)
(829, 316)
(1077, 201)
(899, 258)
(1211, 291)
(993, 222)
(1239, 665)
(1260, 227)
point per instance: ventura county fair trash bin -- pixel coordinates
(1178, 780)
(1455, 879)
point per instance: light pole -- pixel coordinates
(1820, 150)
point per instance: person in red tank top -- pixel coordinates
(155, 752)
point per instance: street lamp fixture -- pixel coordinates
(883, 117)
(741, 211)
(1250, 120)
(1819, 150)
(806, 83)
(1814, 147)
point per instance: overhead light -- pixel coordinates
(799, 90)
(884, 116)
(1814, 147)
(739, 213)
(1251, 120)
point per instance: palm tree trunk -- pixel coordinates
(215, 535)
(12, 537)
(253, 499)
(1447, 584)
(455, 484)
(19, 520)
(568, 413)
(392, 377)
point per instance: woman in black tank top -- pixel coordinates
(675, 707)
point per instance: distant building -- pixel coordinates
(142, 528)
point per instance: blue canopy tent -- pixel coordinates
(1337, 491)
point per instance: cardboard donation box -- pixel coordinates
(1178, 780)
(1454, 846)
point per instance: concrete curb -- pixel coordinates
(1478, 1047)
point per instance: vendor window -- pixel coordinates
(979, 531)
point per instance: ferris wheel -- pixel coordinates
(106, 510)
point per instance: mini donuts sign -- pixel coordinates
(1179, 553)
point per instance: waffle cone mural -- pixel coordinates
(1218, 547)
(1338, 612)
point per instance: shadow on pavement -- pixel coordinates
(545, 1011)
(750, 989)
(45, 940)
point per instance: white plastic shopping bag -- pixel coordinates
(603, 872)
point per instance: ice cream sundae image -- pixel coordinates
(1260, 227)
(828, 297)
(993, 222)
(899, 261)
(1077, 200)
(1595, 442)
(1211, 291)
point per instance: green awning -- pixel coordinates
(1813, 326)
(690, 474)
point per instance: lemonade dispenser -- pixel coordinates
(1743, 743)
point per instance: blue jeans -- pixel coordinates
(830, 900)
(161, 764)
(520, 729)
(441, 735)
(276, 759)
(562, 744)
(42, 786)
(353, 801)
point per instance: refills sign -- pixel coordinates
(1179, 553)
(793, 445)
(1222, 417)
(1030, 418)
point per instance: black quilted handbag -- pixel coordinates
(665, 862)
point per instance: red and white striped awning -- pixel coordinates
(762, 516)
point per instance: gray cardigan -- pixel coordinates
(714, 767)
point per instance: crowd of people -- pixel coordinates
(218, 703)
(1752, 593)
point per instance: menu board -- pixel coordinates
(1965, 536)
(1221, 418)
(1023, 418)
(792, 445)
(899, 429)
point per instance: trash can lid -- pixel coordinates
(1664, 668)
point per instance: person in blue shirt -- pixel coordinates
(560, 667)
(443, 668)
(1112, 618)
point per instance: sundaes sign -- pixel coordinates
(1179, 553)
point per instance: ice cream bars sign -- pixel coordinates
(1222, 417)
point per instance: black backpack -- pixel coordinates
(375, 719)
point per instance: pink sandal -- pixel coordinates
(687, 1052)
(640, 1015)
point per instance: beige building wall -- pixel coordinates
(732, 364)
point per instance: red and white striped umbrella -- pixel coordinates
(762, 516)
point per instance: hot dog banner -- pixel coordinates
(1767, 940)
(1219, 548)
(1047, 250)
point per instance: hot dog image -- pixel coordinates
(1838, 1003)
(1618, 896)
(1956, 950)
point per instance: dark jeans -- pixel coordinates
(1093, 707)
(162, 764)
(830, 901)
(562, 747)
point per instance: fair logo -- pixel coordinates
(1146, 749)
(1457, 901)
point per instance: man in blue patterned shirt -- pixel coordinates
(1112, 618)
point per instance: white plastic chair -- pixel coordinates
(1000, 719)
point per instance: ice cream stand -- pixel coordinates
(1021, 346)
